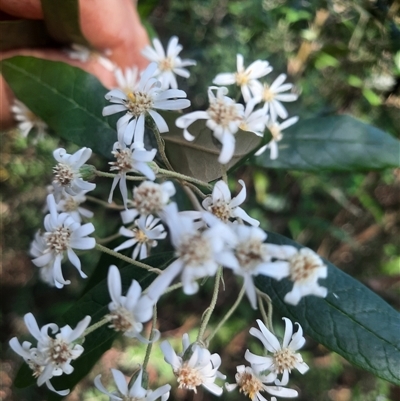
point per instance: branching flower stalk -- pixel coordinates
(151, 337)
(267, 317)
(96, 326)
(208, 312)
(127, 259)
(227, 316)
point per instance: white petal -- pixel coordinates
(114, 284)
(159, 120)
(120, 381)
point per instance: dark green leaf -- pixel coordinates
(16, 34)
(334, 143)
(352, 320)
(67, 98)
(199, 159)
(62, 21)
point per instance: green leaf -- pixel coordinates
(95, 303)
(334, 143)
(199, 158)
(146, 7)
(67, 98)
(62, 21)
(352, 320)
(15, 34)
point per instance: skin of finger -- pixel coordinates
(29, 9)
(105, 76)
(113, 25)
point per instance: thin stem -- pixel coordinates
(95, 326)
(266, 317)
(183, 177)
(208, 312)
(193, 198)
(104, 204)
(224, 175)
(173, 287)
(107, 239)
(161, 147)
(150, 344)
(196, 190)
(126, 259)
(111, 175)
(227, 316)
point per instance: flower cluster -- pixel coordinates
(219, 234)
(53, 354)
(225, 117)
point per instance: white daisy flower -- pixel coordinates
(245, 78)
(148, 198)
(305, 268)
(142, 101)
(128, 313)
(62, 234)
(224, 117)
(84, 54)
(195, 366)
(53, 354)
(254, 121)
(221, 204)
(128, 79)
(284, 357)
(198, 253)
(27, 120)
(129, 159)
(136, 392)
(276, 129)
(142, 236)
(253, 258)
(272, 96)
(170, 64)
(66, 174)
(252, 383)
(71, 204)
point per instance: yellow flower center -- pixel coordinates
(242, 78)
(285, 359)
(147, 198)
(222, 210)
(222, 113)
(58, 240)
(63, 174)
(59, 351)
(250, 253)
(123, 162)
(140, 236)
(138, 103)
(268, 95)
(166, 64)
(249, 384)
(188, 377)
(275, 132)
(121, 319)
(303, 265)
(195, 250)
